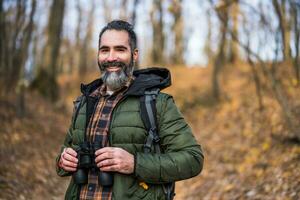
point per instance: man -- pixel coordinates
(107, 122)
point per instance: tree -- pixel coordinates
(85, 45)
(208, 42)
(282, 15)
(123, 10)
(16, 35)
(158, 38)
(295, 12)
(219, 62)
(177, 28)
(233, 46)
(2, 42)
(273, 79)
(106, 11)
(46, 80)
(133, 15)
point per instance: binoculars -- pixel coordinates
(86, 162)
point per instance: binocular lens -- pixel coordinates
(105, 179)
(80, 176)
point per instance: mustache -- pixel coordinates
(105, 65)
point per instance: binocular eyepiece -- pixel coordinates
(86, 162)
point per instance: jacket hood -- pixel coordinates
(148, 78)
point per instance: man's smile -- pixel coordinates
(113, 69)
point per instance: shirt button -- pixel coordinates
(90, 188)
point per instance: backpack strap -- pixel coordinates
(77, 104)
(90, 106)
(148, 115)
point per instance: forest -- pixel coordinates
(235, 67)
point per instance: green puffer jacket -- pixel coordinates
(182, 157)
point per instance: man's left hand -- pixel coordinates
(114, 159)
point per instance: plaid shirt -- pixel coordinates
(98, 130)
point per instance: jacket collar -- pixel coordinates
(144, 79)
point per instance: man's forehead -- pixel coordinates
(114, 37)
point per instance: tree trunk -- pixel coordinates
(207, 47)
(106, 11)
(295, 8)
(233, 46)
(83, 63)
(78, 43)
(27, 35)
(256, 82)
(23, 55)
(48, 85)
(133, 16)
(3, 48)
(158, 34)
(284, 27)
(123, 10)
(220, 58)
(177, 28)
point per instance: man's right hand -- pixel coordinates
(68, 160)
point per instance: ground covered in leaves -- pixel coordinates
(248, 152)
(28, 147)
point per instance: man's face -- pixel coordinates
(116, 58)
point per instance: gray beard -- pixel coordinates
(115, 80)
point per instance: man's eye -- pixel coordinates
(121, 50)
(103, 50)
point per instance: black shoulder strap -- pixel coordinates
(77, 104)
(148, 115)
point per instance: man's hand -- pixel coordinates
(114, 159)
(68, 160)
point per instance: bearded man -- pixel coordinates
(103, 149)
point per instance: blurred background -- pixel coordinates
(236, 77)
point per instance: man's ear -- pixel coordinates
(135, 54)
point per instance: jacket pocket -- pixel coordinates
(142, 191)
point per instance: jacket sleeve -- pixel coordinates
(182, 157)
(69, 137)
(67, 143)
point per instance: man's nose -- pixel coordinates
(112, 56)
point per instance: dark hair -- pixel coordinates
(121, 25)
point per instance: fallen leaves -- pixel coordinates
(246, 156)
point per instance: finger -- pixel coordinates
(69, 169)
(104, 150)
(111, 168)
(69, 164)
(104, 156)
(107, 162)
(70, 158)
(71, 152)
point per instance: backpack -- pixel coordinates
(148, 116)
